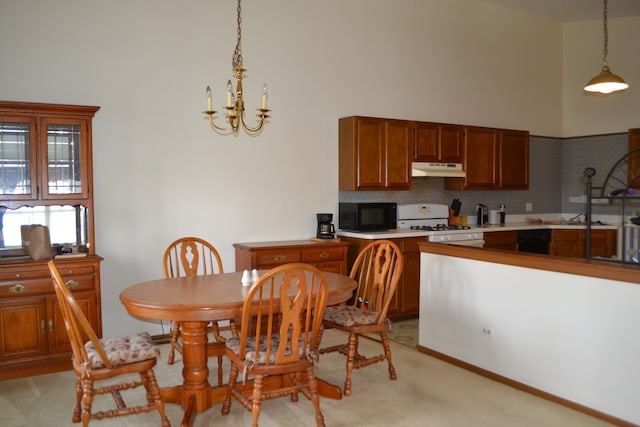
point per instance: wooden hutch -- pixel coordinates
(46, 177)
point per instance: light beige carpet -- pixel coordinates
(428, 392)
(405, 332)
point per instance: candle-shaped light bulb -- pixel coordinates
(229, 93)
(209, 99)
(265, 94)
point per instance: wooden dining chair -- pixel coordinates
(104, 359)
(192, 256)
(281, 319)
(377, 270)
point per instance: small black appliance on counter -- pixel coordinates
(325, 229)
(367, 216)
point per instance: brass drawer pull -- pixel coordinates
(325, 255)
(72, 284)
(280, 258)
(17, 288)
(50, 325)
(42, 329)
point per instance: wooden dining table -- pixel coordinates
(195, 301)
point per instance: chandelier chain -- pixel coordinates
(237, 53)
(605, 53)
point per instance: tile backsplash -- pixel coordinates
(556, 173)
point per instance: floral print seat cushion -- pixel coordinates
(233, 344)
(123, 350)
(349, 315)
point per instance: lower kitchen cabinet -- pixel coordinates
(505, 240)
(328, 256)
(33, 338)
(572, 243)
(405, 303)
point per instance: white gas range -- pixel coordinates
(433, 218)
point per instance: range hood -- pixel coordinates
(437, 169)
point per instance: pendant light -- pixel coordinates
(606, 82)
(235, 101)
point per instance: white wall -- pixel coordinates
(582, 60)
(567, 335)
(161, 173)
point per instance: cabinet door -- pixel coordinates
(371, 155)
(427, 146)
(451, 141)
(481, 155)
(64, 175)
(22, 328)
(398, 154)
(57, 333)
(18, 158)
(603, 243)
(438, 143)
(410, 279)
(566, 243)
(514, 160)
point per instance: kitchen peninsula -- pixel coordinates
(561, 328)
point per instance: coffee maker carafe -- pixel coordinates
(325, 230)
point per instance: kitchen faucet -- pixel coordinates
(574, 219)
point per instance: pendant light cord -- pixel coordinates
(237, 53)
(606, 35)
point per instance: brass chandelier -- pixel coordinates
(606, 82)
(235, 101)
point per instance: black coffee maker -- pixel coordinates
(325, 230)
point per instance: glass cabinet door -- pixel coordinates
(18, 158)
(64, 146)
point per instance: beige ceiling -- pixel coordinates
(574, 10)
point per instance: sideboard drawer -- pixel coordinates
(327, 256)
(323, 255)
(276, 257)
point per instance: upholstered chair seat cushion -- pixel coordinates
(349, 315)
(123, 350)
(233, 344)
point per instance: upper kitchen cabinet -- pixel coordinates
(438, 143)
(480, 161)
(45, 154)
(494, 159)
(514, 160)
(634, 161)
(375, 153)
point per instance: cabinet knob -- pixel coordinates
(72, 284)
(324, 255)
(50, 325)
(17, 288)
(42, 329)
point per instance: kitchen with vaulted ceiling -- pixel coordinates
(509, 77)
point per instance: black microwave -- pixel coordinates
(367, 216)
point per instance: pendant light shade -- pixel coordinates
(606, 82)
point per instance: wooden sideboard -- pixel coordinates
(33, 338)
(328, 256)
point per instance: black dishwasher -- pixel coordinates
(534, 241)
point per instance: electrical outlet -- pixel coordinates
(528, 207)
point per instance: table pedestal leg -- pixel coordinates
(195, 392)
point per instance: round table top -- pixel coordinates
(206, 298)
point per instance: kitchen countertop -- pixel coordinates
(510, 226)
